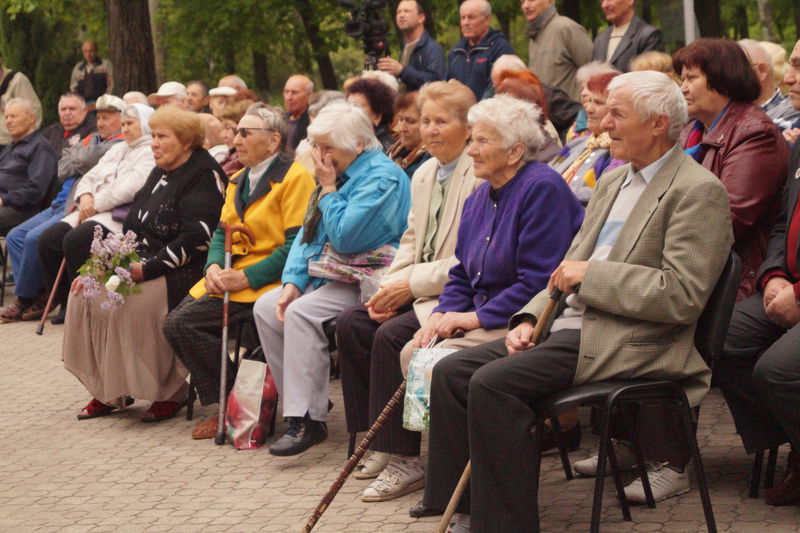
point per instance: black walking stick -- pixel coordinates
(224, 359)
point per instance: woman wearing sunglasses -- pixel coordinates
(269, 197)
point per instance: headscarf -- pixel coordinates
(141, 112)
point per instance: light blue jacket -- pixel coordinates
(368, 211)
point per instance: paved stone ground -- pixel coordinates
(116, 474)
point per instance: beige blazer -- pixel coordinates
(644, 301)
(427, 279)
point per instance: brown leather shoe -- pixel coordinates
(788, 490)
(36, 309)
(12, 312)
(206, 429)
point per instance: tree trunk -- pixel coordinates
(160, 52)
(796, 20)
(229, 57)
(742, 24)
(572, 9)
(709, 18)
(505, 23)
(647, 12)
(261, 71)
(766, 20)
(318, 45)
(131, 46)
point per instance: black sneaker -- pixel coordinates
(303, 433)
(61, 316)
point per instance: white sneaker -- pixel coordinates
(401, 476)
(459, 524)
(372, 466)
(626, 460)
(664, 482)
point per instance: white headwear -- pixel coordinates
(141, 112)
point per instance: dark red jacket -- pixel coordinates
(747, 152)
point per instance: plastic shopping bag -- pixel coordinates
(416, 408)
(251, 403)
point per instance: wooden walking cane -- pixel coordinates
(224, 359)
(395, 402)
(555, 296)
(40, 327)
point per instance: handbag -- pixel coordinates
(251, 403)
(365, 268)
(416, 405)
(119, 213)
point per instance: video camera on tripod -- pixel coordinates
(368, 25)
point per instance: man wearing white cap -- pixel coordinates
(170, 93)
(23, 240)
(219, 97)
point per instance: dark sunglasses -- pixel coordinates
(244, 132)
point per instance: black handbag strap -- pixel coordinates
(7, 82)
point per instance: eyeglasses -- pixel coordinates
(244, 132)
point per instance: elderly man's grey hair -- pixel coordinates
(508, 62)
(757, 54)
(654, 93)
(272, 118)
(593, 68)
(26, 105)
(514, 120)
(323, 98)
(346, 124)
(486, 7)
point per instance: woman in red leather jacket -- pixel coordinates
(735, 140)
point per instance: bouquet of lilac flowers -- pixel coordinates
(106, 273)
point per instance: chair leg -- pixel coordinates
(599, 482)
(4, 259)
(755, 474)
(769, 477)
(190, 400)
(562, 449)
(351, 446)
(273, 420)
(637, 451)
(699, 471)
(623, 500)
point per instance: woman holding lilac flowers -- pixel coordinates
(113, 344)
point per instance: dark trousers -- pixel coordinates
(10, 217)
(480, 408)
(369, 358)
(62, 241)
(759, 374)
(194, 330)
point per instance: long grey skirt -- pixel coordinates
(123, 352)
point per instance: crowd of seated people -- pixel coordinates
(484, 206)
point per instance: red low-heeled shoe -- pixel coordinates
(159, 411)
(96, 408)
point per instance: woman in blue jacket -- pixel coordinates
(360, 204)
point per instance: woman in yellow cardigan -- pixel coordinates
(269, 197)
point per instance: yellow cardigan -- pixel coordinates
(272, 212)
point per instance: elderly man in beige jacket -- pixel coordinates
(655, 238)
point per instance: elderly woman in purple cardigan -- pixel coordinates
(515, 229)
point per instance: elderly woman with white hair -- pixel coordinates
(360, 204)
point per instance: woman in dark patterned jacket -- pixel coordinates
(122, 354)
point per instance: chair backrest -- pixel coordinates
(712, 327)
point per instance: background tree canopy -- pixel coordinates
(266, 41)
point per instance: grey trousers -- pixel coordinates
(297, 349)
(480, 408)
(759, 374)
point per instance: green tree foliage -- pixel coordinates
(206, 39)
